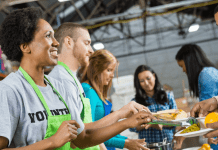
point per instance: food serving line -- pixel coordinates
(194, 127)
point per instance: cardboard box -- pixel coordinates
(182, 103)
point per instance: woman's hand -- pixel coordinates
(66, 132)
(135, 144)
(156, 126)
(131, 108)
(139, 119)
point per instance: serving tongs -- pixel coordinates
(190, 121)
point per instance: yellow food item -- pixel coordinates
(191, 128)
(211, 118)
(205, 147)
(172, 116)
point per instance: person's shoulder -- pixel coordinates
(88, 89)
(4, 88)
(58, 85)
(170, 94)
(86, 86)
(208, 73)
(11, 84)
(58, 72)
(13, 80)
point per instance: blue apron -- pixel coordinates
(107, 110)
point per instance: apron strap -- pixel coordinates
(57, 93)
(38, 92)
(70, 72)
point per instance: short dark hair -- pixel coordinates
(195, 60)
(216, 10)
(18, 28)
(160, 95)
(67, 29)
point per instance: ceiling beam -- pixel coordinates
(163, 48)
(138, 34)
(77, 10)
(56, 13)
(138, 13)
(94, 10)
(15, 2)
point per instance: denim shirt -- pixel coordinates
(208, 83)
(152, 135)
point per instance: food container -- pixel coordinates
(160, 146)
(166, 146)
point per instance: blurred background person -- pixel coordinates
(149, 93)
(201, 72)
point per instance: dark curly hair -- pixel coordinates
(19, 28)
(160, 95)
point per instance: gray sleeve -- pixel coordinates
(73, 93)
(9, 110)
(72, 105)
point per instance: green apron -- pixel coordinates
(54, 122)
(86, 114)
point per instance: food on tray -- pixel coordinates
(205, 147)
(211, 118)
(191, 128)
(171, 115)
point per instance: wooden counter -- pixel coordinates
(2, 76)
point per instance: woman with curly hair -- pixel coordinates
(149, 93)
(36, 112)
(25, 97)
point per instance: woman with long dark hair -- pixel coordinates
(201, 72)
(149, 93)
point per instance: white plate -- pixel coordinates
(201, 132)
(195, 133)
(192, 148)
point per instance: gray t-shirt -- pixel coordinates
(23, 119)
(60, 73)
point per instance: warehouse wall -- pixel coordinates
(161, 60)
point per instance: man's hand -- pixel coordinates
(139, 119)
(201, 109)
(131, 108)
(212, 141)
(212, 133)
(135, 144)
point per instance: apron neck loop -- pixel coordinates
(38, 92)
(70, 72)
